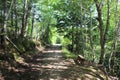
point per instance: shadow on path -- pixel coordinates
(51, 65)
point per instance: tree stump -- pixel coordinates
(80, 60)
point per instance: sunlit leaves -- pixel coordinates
(53, 2)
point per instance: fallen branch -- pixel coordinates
(14, 45)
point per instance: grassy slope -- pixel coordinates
(86, 72)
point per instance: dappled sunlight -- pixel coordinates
(46, 59)
(51, 65)
(52, 51)
(59, 39)
(54, 67)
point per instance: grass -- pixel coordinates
(68, 54)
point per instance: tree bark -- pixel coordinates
(12, 22)
(103, 34)
(5, 18)
(72, 39)
(116, 35)
(26, 13)
(1, 24)
(16, 19)
(81, 25)
(14, 46)
(3, 39)
(91, 38)
(23, 29)
(33, 15)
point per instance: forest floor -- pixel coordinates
(50, 64)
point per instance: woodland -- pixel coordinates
(89, 28)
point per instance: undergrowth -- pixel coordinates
(68, 54)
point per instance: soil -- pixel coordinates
(49, 64)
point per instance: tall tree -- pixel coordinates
(103, 30)
(5, 18)
(5, 14)
(3, 37)
(91, 37)
(116, 34)
(33, 17)
(16, 18)
(26, 12)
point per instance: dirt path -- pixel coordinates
(51, 65)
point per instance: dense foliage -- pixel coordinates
(89, 27)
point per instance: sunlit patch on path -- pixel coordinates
(53, 66)
(52, 51)
(50, 64)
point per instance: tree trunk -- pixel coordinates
(33, 13)
(3, 39)
(23, 30)
(26, 13)
(103, 35)
(5, 18)
(15, 46)
(116, 34)
(91, 38)
(98, 6)
(1, 24)
(16, 19)
(81, 33)
(72, 39)
(12, 23)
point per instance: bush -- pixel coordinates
(28, 44)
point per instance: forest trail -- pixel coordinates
(51, 65)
